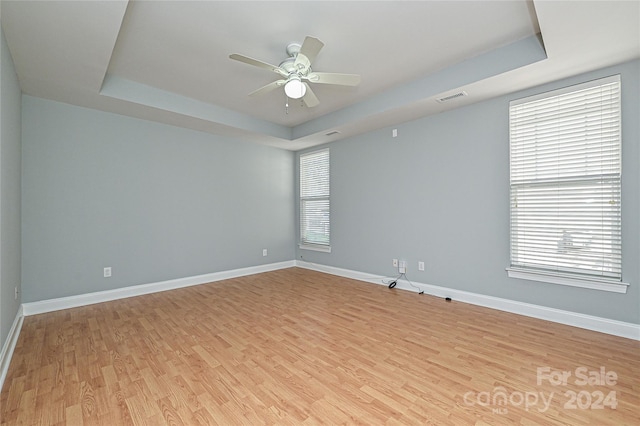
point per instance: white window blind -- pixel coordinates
(565, 175)
(314, 199)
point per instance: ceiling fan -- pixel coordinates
(296, 72)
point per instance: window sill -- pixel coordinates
(562, 279)
(314, 247)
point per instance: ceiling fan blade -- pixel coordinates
(310, 99)
(268, 88)
(311, 47)
(334, 78)
(257, 63)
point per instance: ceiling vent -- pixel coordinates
(451, 97)
(335, 132)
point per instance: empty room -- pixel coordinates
(319, 212)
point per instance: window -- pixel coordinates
(314, 201)
(565, 179)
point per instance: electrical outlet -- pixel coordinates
(264, 252)
(395, 263)
(107, 272)
(420, 266)
(402, 266)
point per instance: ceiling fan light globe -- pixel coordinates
(295, 89)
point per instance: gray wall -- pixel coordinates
(154, 202)
(439, 193)
(9, 190)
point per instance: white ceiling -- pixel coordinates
(168, 61)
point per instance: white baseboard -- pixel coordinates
(589, 322)
(9, 345)
(603, 325)
(33, 308)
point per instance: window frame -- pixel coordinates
(558, 276)
(306, 243)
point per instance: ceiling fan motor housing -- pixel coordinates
(288, 65)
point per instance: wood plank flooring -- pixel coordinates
(298, 347)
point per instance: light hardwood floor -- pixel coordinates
(300, 347)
